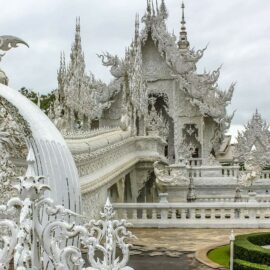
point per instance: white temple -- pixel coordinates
(158, 128)
(153, 142)
(157, 133)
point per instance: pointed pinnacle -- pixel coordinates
(31, 160)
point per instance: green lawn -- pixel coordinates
(220, 255)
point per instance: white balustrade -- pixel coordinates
(198, 215)
(265, 174)
(227, 198)
(195, 162)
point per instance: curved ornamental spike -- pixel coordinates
(8, 42)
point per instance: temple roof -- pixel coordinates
(201, 89)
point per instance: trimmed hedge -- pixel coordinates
(243, 265)
(247, 248)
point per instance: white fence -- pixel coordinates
(224, 198)
(196, 215)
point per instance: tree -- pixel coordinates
(45, 100)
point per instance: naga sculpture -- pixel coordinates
(165, 176)
(118, 68)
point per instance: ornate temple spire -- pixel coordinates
(137, 28)
(163, 10)
(149, 7)
(77, 56)
(157, 8)
(78, 29)
(153, 8)
(61, 74)
(77, 46)
(183, 43)
(62, 69)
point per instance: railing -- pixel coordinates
(214, 171)
(230, 171)
(194, 162)
(244, 198)
(265, 174)
(196, 215)
(86, 134)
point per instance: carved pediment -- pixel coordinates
(154, 66)
(256, 139)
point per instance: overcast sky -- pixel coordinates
(238, 33)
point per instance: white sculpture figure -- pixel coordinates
(155, 123)
(252, 172)
(6, 43)
(110, 235)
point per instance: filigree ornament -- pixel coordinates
(110, 235)
(30, 238)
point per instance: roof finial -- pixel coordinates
(157, 8)
(183, 22)
(78, 24)
(163, 10)
(153, 8)
(183, 42)
(64, 61)
(137, 27)
(149, 9)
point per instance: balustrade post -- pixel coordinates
(202, 214)
(144, 213)
(134, 214)
(125, 214)
(154, 213)
(192, 213)
(184, 213)
(174, 213)
(164, 214)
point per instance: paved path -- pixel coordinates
(174, 249)
(184, 262)
(189, 240)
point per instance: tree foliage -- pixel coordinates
(45, 100)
